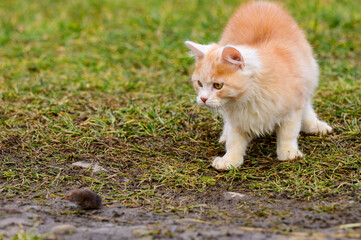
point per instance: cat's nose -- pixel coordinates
(204, 99)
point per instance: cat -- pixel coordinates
(261, 77)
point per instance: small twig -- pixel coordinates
(56, 178)
(350, 225)
(344, 183)
(111, 176)
(194, 220)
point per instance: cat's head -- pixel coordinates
(223, 73)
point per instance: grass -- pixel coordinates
(109, 82)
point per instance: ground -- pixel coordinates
(108, 83)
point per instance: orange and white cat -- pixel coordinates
(261, 77)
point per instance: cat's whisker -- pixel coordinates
(195, 108)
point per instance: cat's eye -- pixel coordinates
(200, 84)
(217, 85)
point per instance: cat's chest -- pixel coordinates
(252, 119)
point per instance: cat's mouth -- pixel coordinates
(212, 107)
(210, 104)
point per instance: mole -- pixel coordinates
(85, 198)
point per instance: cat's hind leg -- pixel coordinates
(287, 133)
(310, 122)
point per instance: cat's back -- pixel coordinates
(260, 23)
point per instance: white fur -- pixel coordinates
(252, 67)
(198, 50)
(251, 59)
(265, 89)
(258, 113)
(260, 110)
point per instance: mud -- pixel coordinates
(213, 216)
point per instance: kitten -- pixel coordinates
(260, 77)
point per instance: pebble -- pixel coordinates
(64, 229)
(95, 167)
(233, 196)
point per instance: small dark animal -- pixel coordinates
(85, 198)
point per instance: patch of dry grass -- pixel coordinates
(92, 81)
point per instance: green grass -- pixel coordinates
(109, 82)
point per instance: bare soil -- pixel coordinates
(214, 215)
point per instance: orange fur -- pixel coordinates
(268, 74)
(268, 28)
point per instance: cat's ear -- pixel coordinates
(198, 50)
(231, 55)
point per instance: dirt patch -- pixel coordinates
(212, 216)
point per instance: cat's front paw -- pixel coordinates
(289, 154)
(225, 163)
